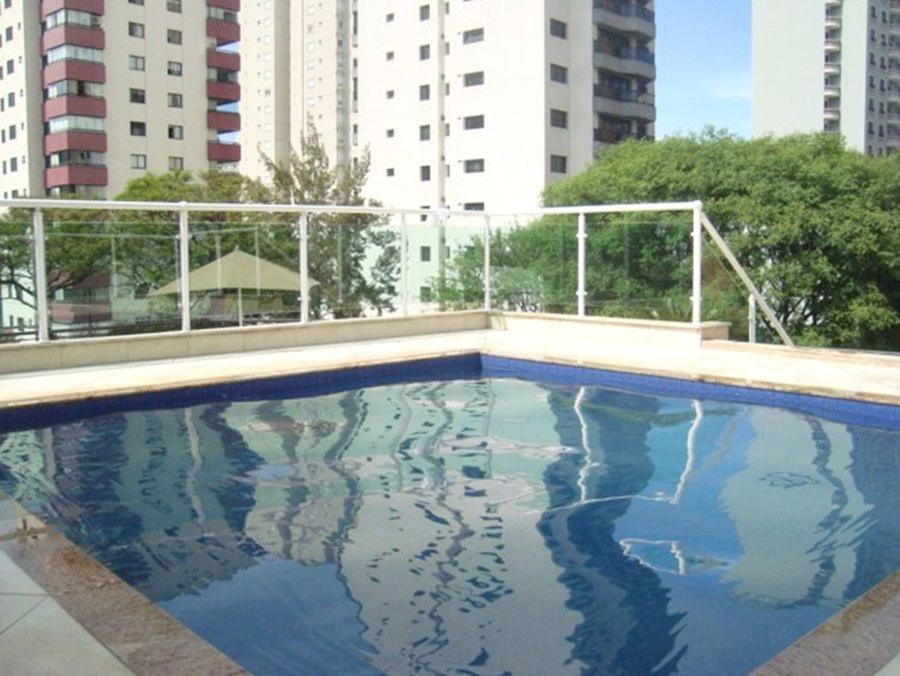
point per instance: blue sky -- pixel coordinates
(703, 65)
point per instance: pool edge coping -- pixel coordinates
(131, 627)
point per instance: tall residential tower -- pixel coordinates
(96, 93)
(828, 65)
(463, 103)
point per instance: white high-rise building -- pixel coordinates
(95, 93)
(828, 65)
(465, 104)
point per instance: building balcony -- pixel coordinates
(81, 36)
(624, 103)
(75, 174)
(832, 45)
(226, 61)
(223, 91)
(74, 105)
(832, 91)
(613, 136)
(92, 6)
(72, 69)
(223, 32)
(625, 18)
(223, 152)
(832, 67)
(75, 140)
(628, 61)
(833, 22)
(832, 114)
(223, 122)
(230, 5)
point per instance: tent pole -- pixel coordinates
(240, 307)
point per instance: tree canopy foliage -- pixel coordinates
(816, 225)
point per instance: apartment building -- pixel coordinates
(96, 93)
(828, 65)
(464, 104)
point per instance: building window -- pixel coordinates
(559, 73)
(390, 133)
(135, 30)
(136, 62)
(424, 12)
(138, 128)
(473, 122)
(173, 37)
(174, 68)
(425, 254)
(474, 166)
(389, 17)
(136, 2)
(473, 79)
(389, 56)
(138, 161)
(425, 132)
(74, 52)
(390, 172)
(559, 118)
(174, 6)
(558, 164)
(424, 92)
(425, 173)
(14, 164)
(176, 132)
(390, 93)
(176, 101)
(424, 52)
(137, 96)
(176, 164)
(473, 206)
(473, 35)
(558, 29)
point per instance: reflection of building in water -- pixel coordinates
(450, 471)
(626, 626)
(162, 520)
(799, 475)
(838, 518)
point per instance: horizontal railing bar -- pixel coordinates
(240, 207)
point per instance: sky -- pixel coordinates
(703, 66)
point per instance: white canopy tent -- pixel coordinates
(237, 270)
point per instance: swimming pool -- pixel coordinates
(475, 515)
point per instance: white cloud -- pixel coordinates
(731, 89)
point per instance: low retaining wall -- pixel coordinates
(61, 354)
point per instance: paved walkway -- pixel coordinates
(36, 635)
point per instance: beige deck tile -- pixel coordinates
(47, 642)
(13, 579)
(14, 607)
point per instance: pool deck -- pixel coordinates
(56, 602)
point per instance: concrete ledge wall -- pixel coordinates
(28, 357)
(641, 332)
(25, 357)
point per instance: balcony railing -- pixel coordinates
(635, 53)
(625, 9)
(624, 95)
(168, 265)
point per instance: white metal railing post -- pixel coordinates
(404, 266)
(697, 260)
(184, 266)
(582, 236)
(751, 319)
(40, 277)
(487, 263)
(304, 267)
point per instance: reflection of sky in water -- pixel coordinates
(481, 526)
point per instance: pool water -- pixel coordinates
(485, 525)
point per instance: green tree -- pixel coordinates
(816, 225)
